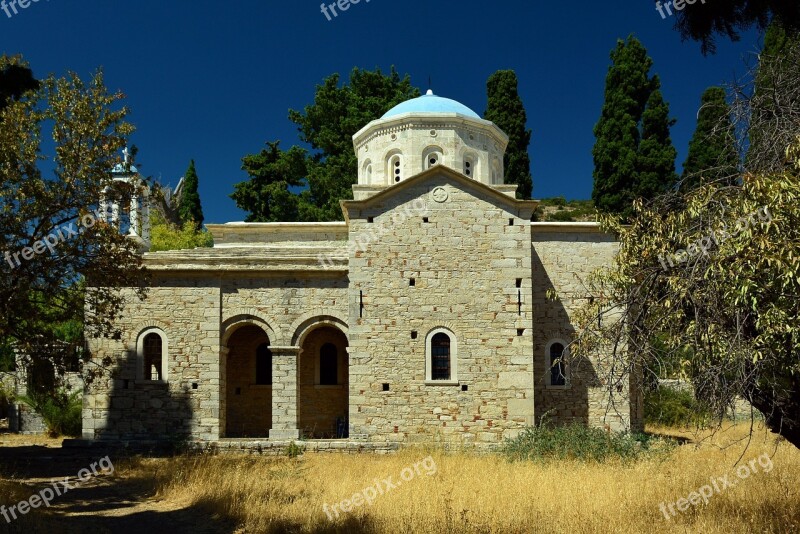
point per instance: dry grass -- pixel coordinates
(470, 493)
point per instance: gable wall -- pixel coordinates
(465, 262)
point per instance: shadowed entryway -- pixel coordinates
(323, 381)
(248, 383)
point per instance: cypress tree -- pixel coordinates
(712, 150)
(774, 103)
(190, 208)
(506, 110)
(616, 150)
(656, 155)
(633, 156)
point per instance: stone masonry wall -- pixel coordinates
(562, 257)
(120, 406)
(465, 261)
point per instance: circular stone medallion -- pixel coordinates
(439, 194)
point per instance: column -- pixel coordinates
(284, 393)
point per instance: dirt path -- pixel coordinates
(103, 504)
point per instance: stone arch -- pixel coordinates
(239, 317)
(133, 334)
(315, 319)
(322, 397)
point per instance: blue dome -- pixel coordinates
(430, 103)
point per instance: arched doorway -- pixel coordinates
(323, 384)
(248, 383)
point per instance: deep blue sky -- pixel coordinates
(214, 80)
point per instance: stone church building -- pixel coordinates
(422, 316)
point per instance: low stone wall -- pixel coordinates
(22, 419)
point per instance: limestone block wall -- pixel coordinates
(121, 405)
(563, 256)
(465, 262)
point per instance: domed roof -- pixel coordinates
(430, 103)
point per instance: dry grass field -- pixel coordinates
(469, 493)
(463, 492)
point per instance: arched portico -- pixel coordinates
(246, 381)
(323, 382)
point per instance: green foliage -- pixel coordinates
(733, 310)
(328, 126)
(561, 216)
(7, 358)
(566, 211)
(266, 196)
(555, 201)
(166, 236)
(579, 442)
(773, 107)
(60, 410)
(293, 450)
(45, 186)
(665, 406)
(730, 17)
(656, 157)
(633, 154)
(16, 79)
(506, 110)
(190, 208)
(712, 150)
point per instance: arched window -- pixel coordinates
(151, 355)
(496, 178)
(263, 365)
(441, 357)
(431, 157)
(366, 177)
(556, 353)
(395, 168)
(469, 166)
(328, 365)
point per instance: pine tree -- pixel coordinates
(190, 208)
(712, 150)
(655, 167)
(615, 153)
(506, 110)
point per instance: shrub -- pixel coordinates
(578, 442)
(669, 407)
(60, 410)
(562, 216)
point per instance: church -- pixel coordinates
(425, 315)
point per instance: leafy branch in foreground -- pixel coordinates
(728, 310)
